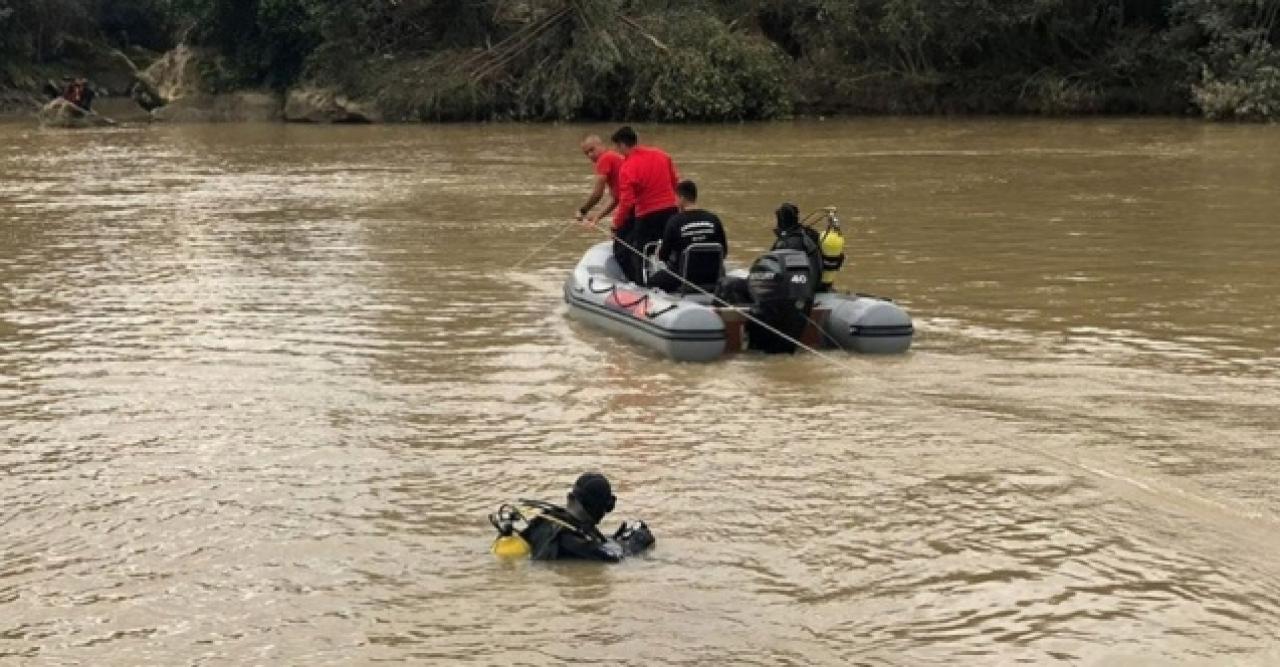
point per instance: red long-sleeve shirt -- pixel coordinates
(609, 165)
(646, 184)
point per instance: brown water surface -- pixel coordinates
(260, 385)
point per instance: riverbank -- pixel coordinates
(331, 61)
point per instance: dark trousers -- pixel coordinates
(667, 280)
(626, 258)
(639, 232)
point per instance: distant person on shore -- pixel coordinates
(86, 95)
(79, 93)
(646, 199)
(691, 225)
(608, 167)
(74, 92)
(551, 532)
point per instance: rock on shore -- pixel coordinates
(189, 84)
(322, 105)
(239, 107)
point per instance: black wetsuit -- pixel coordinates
(805, 240)
(558, 534)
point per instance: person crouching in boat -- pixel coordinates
(791, 235)
(646, 199)
(543, 531)
(692, 225)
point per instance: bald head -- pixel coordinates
(592, 147)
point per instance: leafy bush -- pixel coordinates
(1251, 90)
(1237, 63)
(705, 72)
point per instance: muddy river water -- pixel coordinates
(260, 386)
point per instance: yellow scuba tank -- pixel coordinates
(509, 543)
(832, 244)
(510, 546)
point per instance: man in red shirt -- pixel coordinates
(608, 166)
(646, 199)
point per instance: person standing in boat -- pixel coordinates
(646, 199)
(608, 167)
(691, 225)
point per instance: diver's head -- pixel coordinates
(593, 494)
(686, 195)
(788, 218)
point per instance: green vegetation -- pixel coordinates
(685, 60)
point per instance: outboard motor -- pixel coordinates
(782, 285)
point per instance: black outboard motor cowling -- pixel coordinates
(782, 286)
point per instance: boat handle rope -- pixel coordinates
(660, 313)
(591, 286)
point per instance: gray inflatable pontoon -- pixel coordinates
(689, 327)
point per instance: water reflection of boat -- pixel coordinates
(694, 326)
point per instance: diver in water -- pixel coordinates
(550, 532)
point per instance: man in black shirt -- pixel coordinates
(691, 225)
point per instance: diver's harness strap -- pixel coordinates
(508, 515)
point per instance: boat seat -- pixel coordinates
(707, 262)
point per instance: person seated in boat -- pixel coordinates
(551, 532)
(791, 235)
(691, 225)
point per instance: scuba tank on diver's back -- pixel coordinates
(542, 531)
(509, 544)
(831, 243)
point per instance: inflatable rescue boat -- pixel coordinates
(777, 307)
